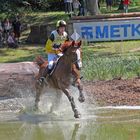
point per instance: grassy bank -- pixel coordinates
(106, 60)
(37, 18)
(24, 53)
(101, 61)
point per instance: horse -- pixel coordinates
(66, 66)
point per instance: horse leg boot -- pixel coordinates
(80, 88)
(71, 99)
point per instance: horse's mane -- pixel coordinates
(68, 44)
(65, 46)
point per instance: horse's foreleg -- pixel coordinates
(77, 82)
(71, 99)
(80, 88)
(39, 89)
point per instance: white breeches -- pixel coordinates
(51, 59)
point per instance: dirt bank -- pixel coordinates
(17, 80)
(114, 92)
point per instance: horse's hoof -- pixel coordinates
(77, 114)
(42, 80)
(39, 82)
(81, 99)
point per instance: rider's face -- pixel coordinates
(61, 30)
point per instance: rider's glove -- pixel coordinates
(56, 46)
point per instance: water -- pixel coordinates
(18, 121)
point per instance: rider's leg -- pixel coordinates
(51, 59)
(48, 69)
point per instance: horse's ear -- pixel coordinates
(79, 43)
(73, 43)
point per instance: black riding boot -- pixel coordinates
(44, 76)
(46, 72)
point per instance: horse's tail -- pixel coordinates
(40, 61)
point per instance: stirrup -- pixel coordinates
(47, 72)
(41, 80)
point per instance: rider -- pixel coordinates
(57, 37)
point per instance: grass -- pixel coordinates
(115, 9)
(101, 61)
(37, 18)
(26, 53)
(105, 68)
(108, 60)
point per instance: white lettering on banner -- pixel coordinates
(108, 30)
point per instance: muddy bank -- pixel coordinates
(100, 93)
(114, 92)
(17, 81)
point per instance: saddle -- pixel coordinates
(48, 71)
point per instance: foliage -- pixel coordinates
(111, 60)
(35, 5)
(102, 68)
(12, 7)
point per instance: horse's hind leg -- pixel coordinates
(71, 99)
(80, 88)
(39, 89)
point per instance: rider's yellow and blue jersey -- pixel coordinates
(55, 39)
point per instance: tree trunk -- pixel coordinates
(92, 7)
(121, 7)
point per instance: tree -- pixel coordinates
(92, 7)
(121, 6)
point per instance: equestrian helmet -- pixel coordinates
(61, 23)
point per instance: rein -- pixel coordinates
(63, 47)
(76, 61)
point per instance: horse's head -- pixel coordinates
(73, 50)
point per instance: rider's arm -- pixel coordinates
(49, 43)
(67, 38)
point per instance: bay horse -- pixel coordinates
(61, 76)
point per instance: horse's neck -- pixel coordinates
(65, 62)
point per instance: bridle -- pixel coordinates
(66, 54)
